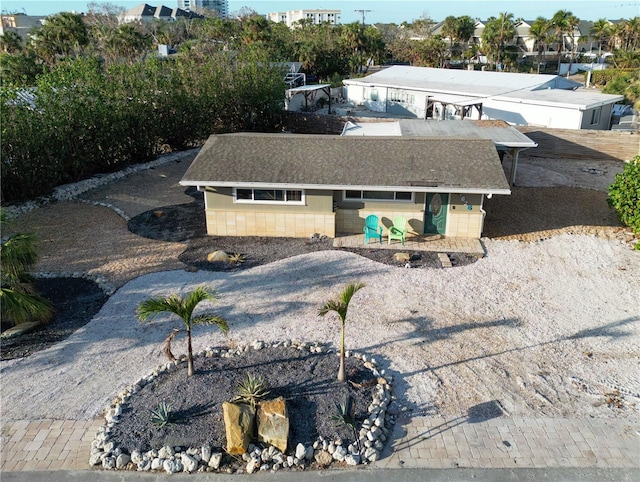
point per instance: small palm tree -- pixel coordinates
(340, 306)
(183, 307)
(18, 300)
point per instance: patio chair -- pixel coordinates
(372, 229)
(398, 230)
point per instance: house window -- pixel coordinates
(595, 115)
(268, 196)
(392, 196)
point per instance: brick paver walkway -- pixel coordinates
(419, 442)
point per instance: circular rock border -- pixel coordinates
(373, 434)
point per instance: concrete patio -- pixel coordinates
(437, 243)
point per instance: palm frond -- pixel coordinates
(166, 346)
(17, 255)
(212, 320)
(20, 307)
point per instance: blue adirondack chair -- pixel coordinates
(398, 230)
(372, 229)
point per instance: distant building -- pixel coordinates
(220, 6)
(20, 24)
(148, 13)
(316, 16)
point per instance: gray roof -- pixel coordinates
(581, 99)
(338, 162)
(501, 133)
(462, 82)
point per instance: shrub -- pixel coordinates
(624, 195)
(251, 390)
(162, 415)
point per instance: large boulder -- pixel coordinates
(273, 423)
(239, 425)
(20, 329)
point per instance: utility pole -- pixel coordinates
(362, 12)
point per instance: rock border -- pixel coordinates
(373, 434)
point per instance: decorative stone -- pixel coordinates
(401, 257)
(172, 466)
(144, 466)
(301, 452)
(95, 459)
(251, 466)
(340, 453)
(166, 452)
(217, 256)
(20, 329)
(156, 464)
(205, 454)
(122, 461)
(323, 458)
(136, 457)
(214, 461)
(239, 426)
(273, 423)
(352, 459)
(189, 464)
(109, 463)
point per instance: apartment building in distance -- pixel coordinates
(220, 6)
(316, 16)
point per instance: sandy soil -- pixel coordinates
(545, 328)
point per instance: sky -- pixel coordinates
(381, 11)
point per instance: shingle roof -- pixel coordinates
(337, 162)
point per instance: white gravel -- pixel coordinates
(549, 328)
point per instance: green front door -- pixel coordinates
(435, 214)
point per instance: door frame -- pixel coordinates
(442, 230)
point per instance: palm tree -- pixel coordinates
(465, 27)
(563, 23)
(340, 306)
(497, 31)
(10, 42)
(540, 32)
(18, 300)
(601, 30)
(183, 307)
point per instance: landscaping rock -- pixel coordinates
(239, 426)
(402, 257)
(301, 452)
(172, 466)
(122, 461)
(273, 423)
(323, 458)
(214, 461)
(189, 464)
(217, 256)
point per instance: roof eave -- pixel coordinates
(343, 187)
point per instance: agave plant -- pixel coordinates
(236, 258)
(347, 416)
(251, 390)
(162, 416)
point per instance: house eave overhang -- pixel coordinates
(412, 185)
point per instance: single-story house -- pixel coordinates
(519, 99)
(286, 185)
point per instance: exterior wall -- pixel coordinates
(350, 215)
(530, 114)
(226, 218)
(604, 118)
(463, 222)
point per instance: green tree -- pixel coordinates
(340, 307)
(564, 23)
(11, 42)
(18, 301)
(601, 30)
(183, 308)
(465, 28)
(541, 32)
(624, 196)
(62, 35)
(497, 31)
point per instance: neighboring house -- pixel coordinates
(507, 139)
(20, 24)
(149, 13)
(219, 6)
(287, 185)
(316, 16)
(520, 99)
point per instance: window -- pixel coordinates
(595, 115)
(268, 196)
(393, 196)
